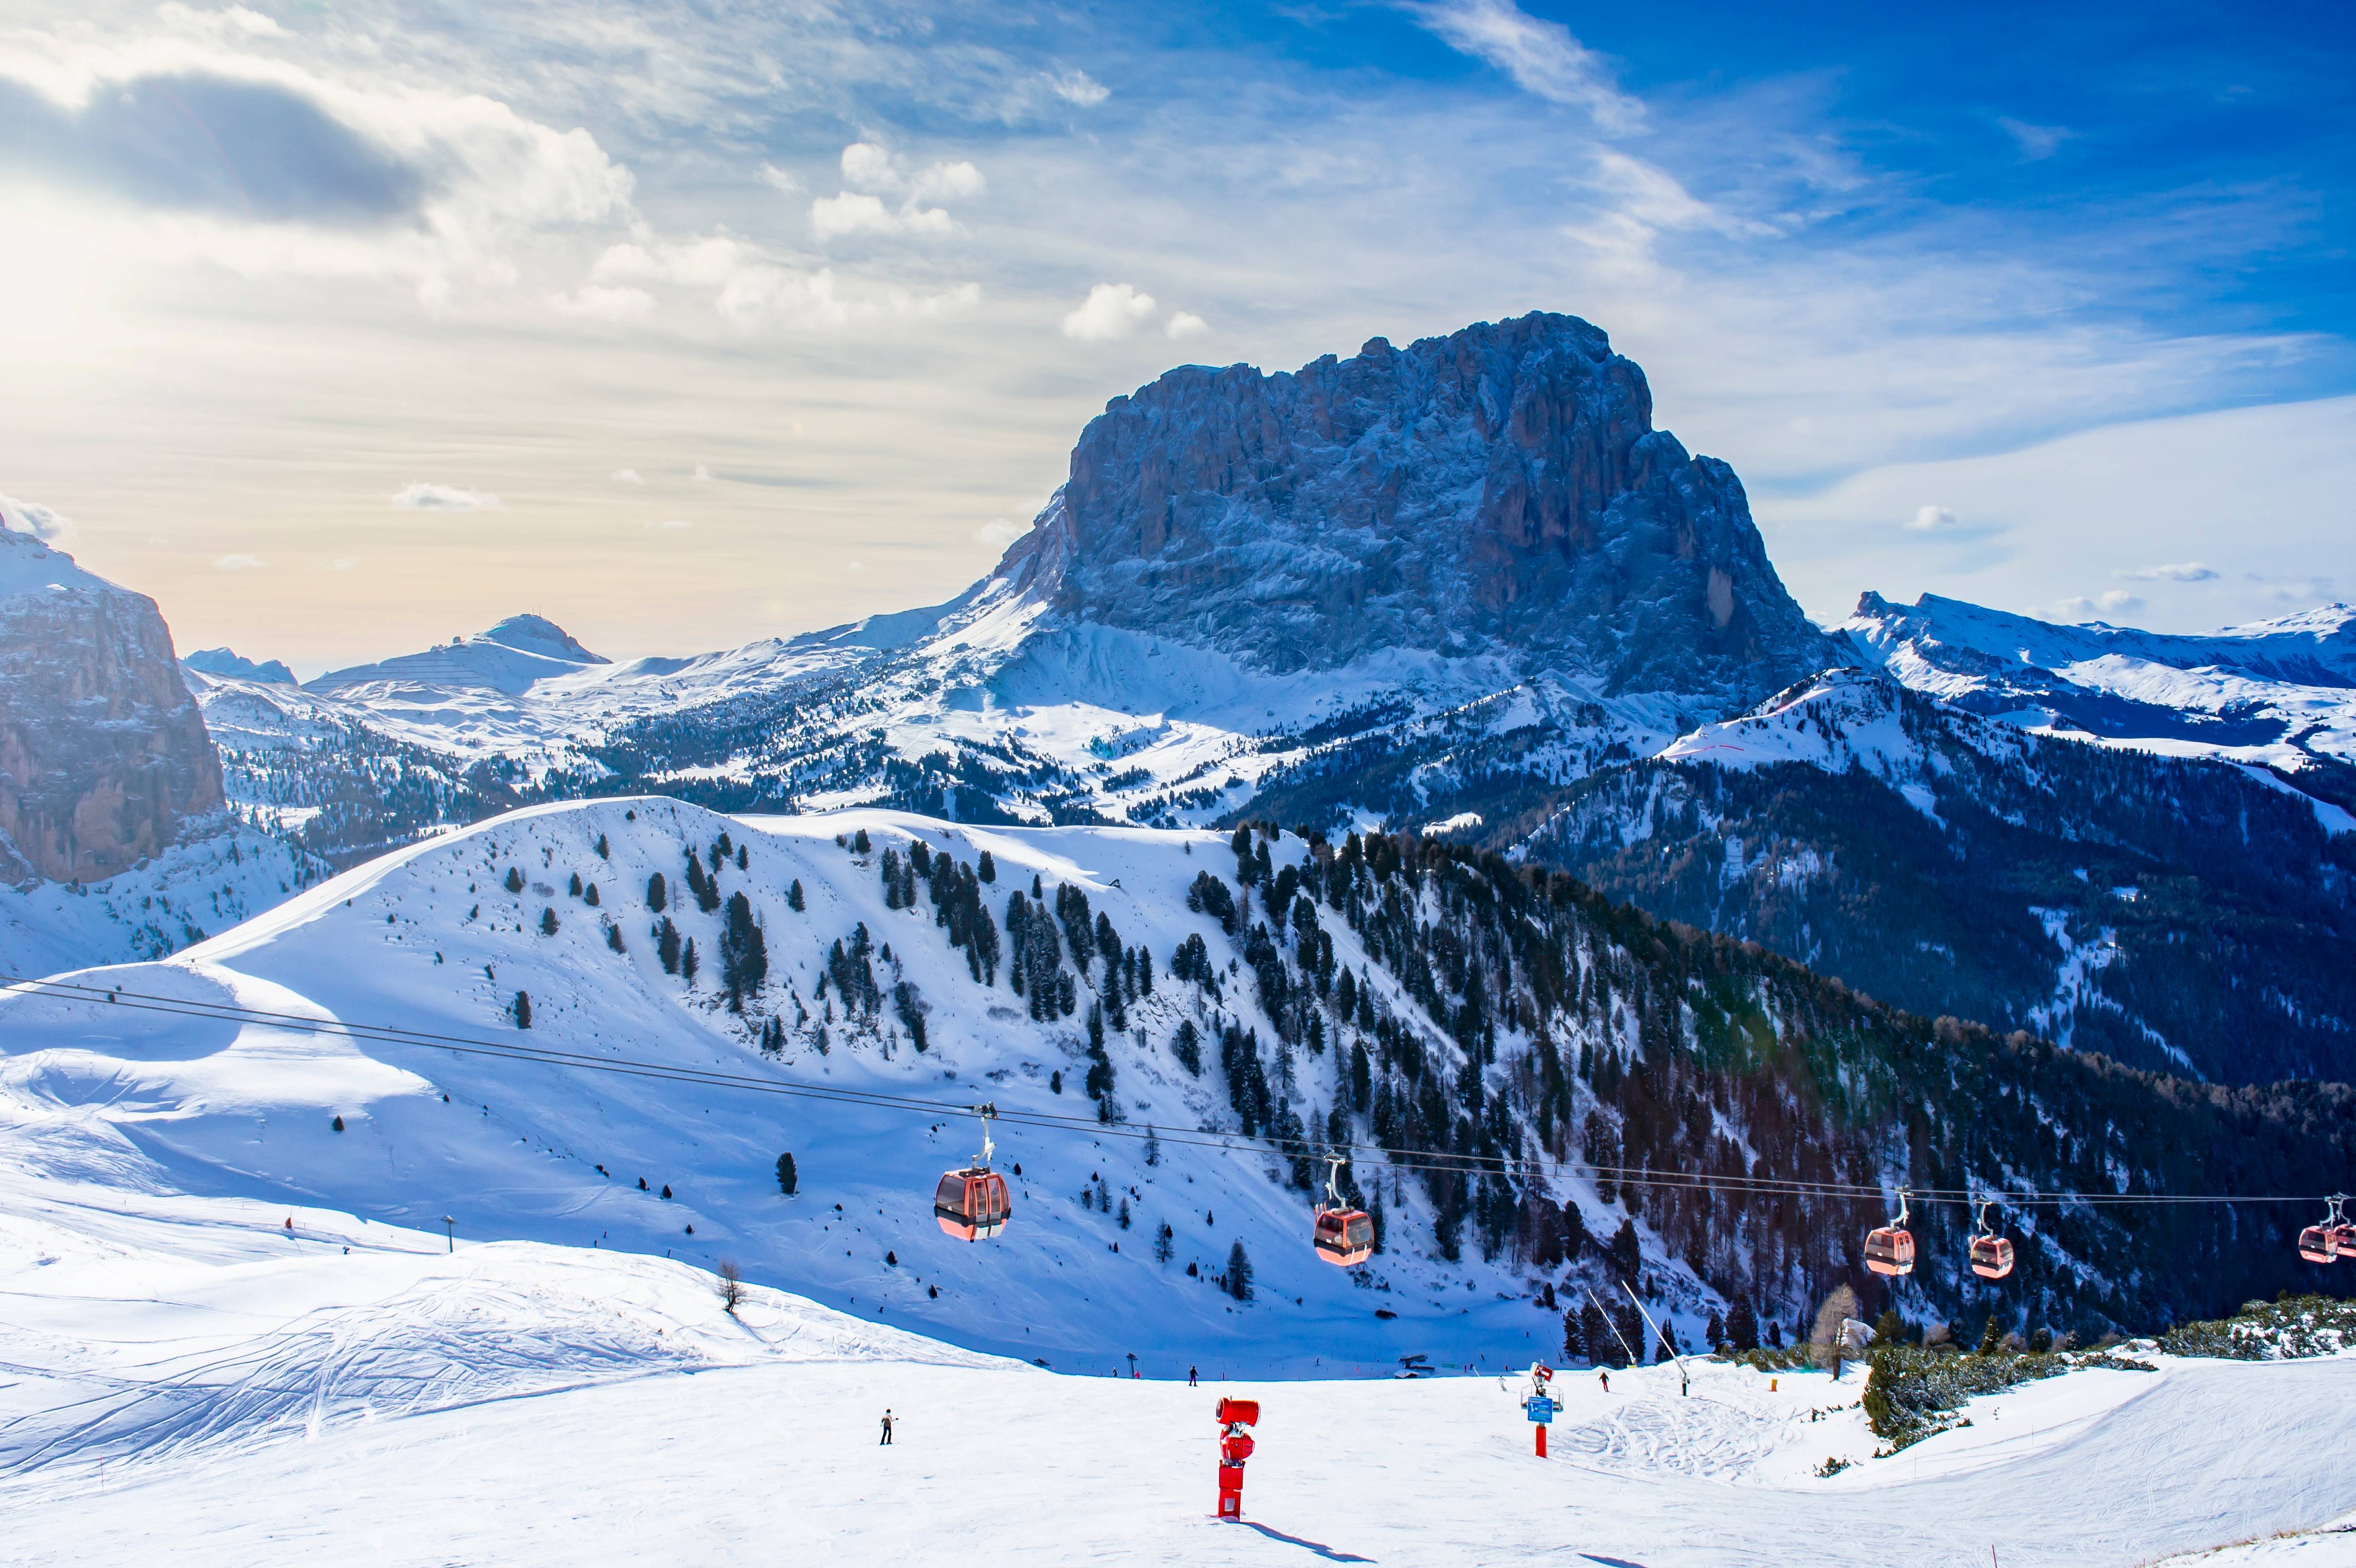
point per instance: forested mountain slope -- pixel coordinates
(1174, 1027)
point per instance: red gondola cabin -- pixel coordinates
(1889, 1250)
(1991, 1257)
(1344, 1236)
(972, 1205)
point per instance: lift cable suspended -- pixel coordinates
(1416, 1160)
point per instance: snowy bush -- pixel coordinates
(2287, 1330)
(1910, 1390)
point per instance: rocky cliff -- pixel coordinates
(1498, 490)
(103, 753)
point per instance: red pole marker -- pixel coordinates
(1541, 1432)
(1235, 1447)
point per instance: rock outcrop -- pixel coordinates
(1501, 489)
(103, 755)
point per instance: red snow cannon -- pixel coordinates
(1235, 1447)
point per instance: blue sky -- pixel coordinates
(343, 327)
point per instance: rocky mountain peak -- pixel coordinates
(103, 755)
(1499, 491)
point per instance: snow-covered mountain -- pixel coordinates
(2277, 694)
(116, 842)
(1464, 586)
(2179, 913)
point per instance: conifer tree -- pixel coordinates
(1239, 1273)
(1742, 1325)
(1991, 1341)
(1164, 1243)
(666, 945)
(521, 1009)
(515, 879)
(657, 893)
(548, 922)
(986, 868)
(688, 963)
(574, 886)
(794, 897)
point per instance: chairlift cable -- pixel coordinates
(1414, 1160)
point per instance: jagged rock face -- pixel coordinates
(1501, 489)
(102, 752)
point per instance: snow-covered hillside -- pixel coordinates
(433, 941)
(190, 1379)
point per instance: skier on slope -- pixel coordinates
(885, 1441)
(1604, 1378)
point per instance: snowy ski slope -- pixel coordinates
(429, 938)
(189, 1380)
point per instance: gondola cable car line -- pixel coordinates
(1417, 1160)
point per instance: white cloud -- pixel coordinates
(751, 288)
(1932, 520)
(868, 169)
(626, 476)
(867, 166)
(237, 563)
(998, 533)
(343, 563)
(2176, 572)
(597, 302)
(668, 525)
(856, 212)
(959, 181)
(1185, 324)
(1078, 87)
(1542, 56)
(422, 497)
(783, 179)
(44, 523)
(702, 474)
(1112, 311)
(2036, 143)
(2078, 607)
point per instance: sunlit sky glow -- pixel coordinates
(343, 328)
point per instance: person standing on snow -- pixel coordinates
(885, 1441)
(1190, 1377)
(1606, 1379)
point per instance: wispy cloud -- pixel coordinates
(626, 476)
(1932, 520)
(1543, 57)
(237, 563)
(1077, 87)
(2180, 572)
(2036, 143)
(424, 497)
